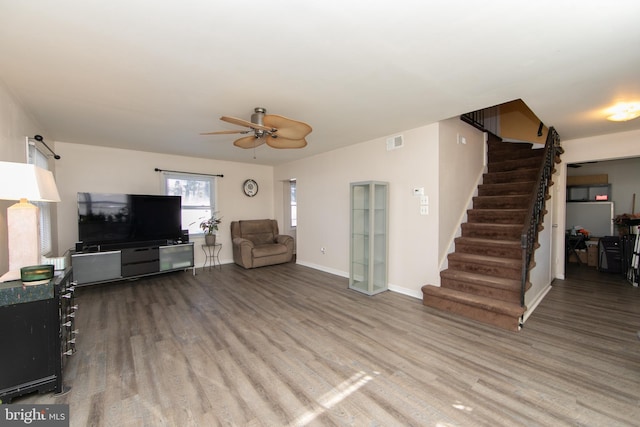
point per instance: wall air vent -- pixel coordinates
(395, 142)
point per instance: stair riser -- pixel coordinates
(491, 318)
(489, 232)
(513, 165)
(509, 177)
(486, 269)
(505, 189)
(504, 156)
(495, 216)
(497, 146)
(506, 202)
(512, 296)
(489, 251)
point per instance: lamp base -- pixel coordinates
(24, 235)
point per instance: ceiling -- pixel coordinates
(151, 76)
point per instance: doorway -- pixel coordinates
(290, 210)
(597, 217)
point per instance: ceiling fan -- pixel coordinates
(275, 131)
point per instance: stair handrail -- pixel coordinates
(536, 208)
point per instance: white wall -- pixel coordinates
(323, 205)
(15, 126)
(603, 147)
(541, 275)
(99, 169)
(461, 168)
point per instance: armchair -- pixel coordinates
(257, 243)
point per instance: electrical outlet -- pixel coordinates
(323, 250)
(424, 210)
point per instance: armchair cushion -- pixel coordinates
(257, 243)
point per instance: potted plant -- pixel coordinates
(209, 226)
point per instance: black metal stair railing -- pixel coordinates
(475, 119)
(536, 211)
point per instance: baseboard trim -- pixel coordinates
(405, 291)
(323, 268)
(398, 289)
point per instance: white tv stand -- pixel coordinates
(104, 265)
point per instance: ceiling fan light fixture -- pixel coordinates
(624, 111)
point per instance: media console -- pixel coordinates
(110, 263)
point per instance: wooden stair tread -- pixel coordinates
(493, 247)
(488, 242)
(504, 196)
(485, 303)
(492, 281)
(512, 165)
(487, 260)
(492, 225)
(496, 210)
(512, 174)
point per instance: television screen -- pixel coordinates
(105, 218)
(156, 217)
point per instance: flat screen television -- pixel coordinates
(112, 219)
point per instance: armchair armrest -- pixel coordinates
(239, 241)
(285, 239)
(242, 249)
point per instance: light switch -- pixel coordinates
(424, 200)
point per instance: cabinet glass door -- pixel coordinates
(379, 280)
(368, 257)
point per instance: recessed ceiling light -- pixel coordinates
(624, 111)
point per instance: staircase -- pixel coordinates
(485, 280)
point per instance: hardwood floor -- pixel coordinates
(291, 346)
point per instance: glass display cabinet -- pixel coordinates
(369, 240)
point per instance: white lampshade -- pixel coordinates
(25, 181)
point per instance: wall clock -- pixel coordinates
(250, 187)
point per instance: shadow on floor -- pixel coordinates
(574, 271)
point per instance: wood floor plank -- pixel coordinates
(291, 346)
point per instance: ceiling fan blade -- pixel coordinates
(249, 142)
(287, 128)
(225, 132)
(241, 122)
(285, 143)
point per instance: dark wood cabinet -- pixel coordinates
(37, 334)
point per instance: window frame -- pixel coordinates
(37, 157)
(209, 209)
(293, 204)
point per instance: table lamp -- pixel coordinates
(24, 182)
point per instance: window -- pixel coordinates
(38, 158)
(198, 197)
(294, 204)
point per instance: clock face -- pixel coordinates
(250, 187)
